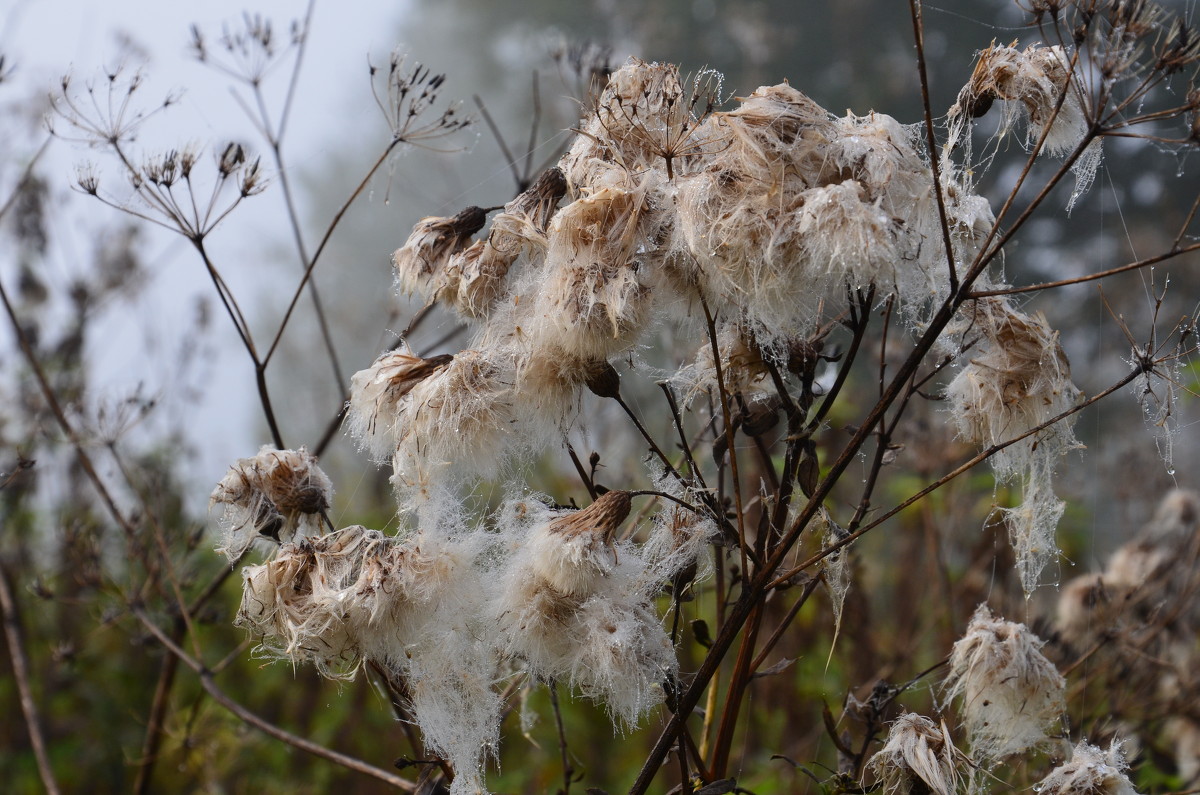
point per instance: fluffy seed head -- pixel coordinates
(475, 278)
(593, 303)
(275, 494)
(1017, 378)
(430, 245)
(1031, 83)
(457, 417)
(1090, 771)
(577, 548)
(1011, 694)
(917, 752)
(574, 609)
(376, 394)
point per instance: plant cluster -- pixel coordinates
(804, 324)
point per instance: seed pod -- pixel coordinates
(603, 380)
(760, 417)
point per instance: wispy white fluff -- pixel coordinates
(1012, 696)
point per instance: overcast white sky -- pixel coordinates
(44, 37)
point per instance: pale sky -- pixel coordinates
(43, 39)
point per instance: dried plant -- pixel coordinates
(743, 333)
(1012, 695)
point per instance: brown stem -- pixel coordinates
(739, 680)
(727, 418)
(565, 755)
(793, 611)
(1091, 277)
(265, 726)
(914, 7)
(20, 668)
(155, 721)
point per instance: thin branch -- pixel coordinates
(251, 719)
(20, 668)
(727, 417)
(567, 768)
(26, 175)
(968, 465)
(914, 7)
(1132, 266)
(156, 721)
(85, 460)
(333, 224)
(508, 155)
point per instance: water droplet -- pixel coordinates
(1171, 470)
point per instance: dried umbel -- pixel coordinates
(648, 117)
(376, 394)
(1011, 694)
(1091, 771)
(429, 247)
(919, 756)
(277, 494)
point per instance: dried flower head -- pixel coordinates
(919, 756)
(410, 605)
(375, 395)
(1090, 771)
(248, 52)
(429, 247)
(735, 216)
(1042, 85)
(1011, 694)
(475, 277)
(1142, 602)
(295, 603)
(572, 608)
(277, 494)
(743, 368)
